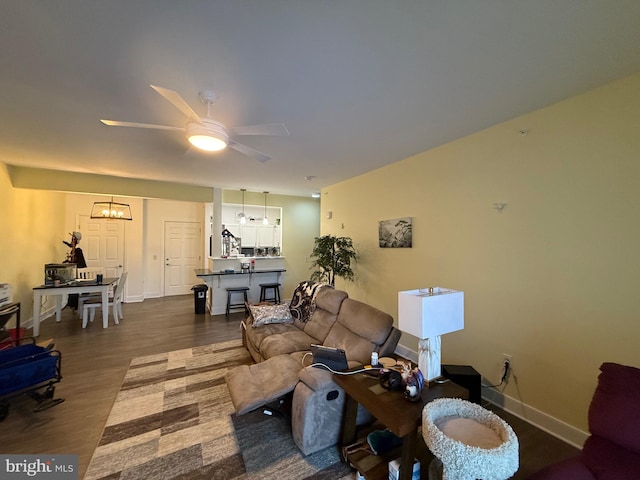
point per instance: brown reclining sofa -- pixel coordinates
(279, 350)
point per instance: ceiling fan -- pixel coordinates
(206, 133)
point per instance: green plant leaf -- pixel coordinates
(332, 257)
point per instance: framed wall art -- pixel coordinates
(396, 233)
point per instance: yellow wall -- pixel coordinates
(32, 225)
(553, 279)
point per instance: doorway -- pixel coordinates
(103, 244)
(182, 255)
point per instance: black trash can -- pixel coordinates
(200, 298)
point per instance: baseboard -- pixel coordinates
(407, 353)
(44, 314)
(545, 422)
(134, 299)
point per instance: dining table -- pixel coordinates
(78, 287)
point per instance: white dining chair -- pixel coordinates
(91, 305)
(88, 273)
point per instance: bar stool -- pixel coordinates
(234, 306)
(275, 292)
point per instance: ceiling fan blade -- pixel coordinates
(117, 123)
(248, 151)
(278, 129)
(177, 101)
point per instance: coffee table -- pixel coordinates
(398, 414)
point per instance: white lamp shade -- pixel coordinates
(426, 315)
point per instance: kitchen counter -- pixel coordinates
(219, 280)
(268, 257)
(205, 272)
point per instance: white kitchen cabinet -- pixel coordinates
(249, 235)
(254, 233)
(265, 236)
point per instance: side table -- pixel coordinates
(399, 415)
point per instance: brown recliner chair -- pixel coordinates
(612, 452)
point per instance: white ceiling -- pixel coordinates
(359, 83)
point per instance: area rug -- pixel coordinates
(173, 419)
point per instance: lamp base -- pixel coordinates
(429, 357)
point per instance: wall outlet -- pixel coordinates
(507, 358)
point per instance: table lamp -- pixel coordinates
(427, 313)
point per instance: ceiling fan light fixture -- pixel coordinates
(205, 133)
(208, 143)
(210, 137)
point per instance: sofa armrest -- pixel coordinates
(388, 348)
(316, 378)
(317, 406)
(243, 329)
(319, 378)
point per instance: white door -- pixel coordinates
(103, 244)
(182, 245)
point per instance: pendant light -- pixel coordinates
(111, 210)
(243, 218)
(265, 220)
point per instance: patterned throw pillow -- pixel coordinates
(303, 303)
(266, 314)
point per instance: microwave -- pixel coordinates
(60, 273)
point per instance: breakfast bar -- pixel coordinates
(219, 281)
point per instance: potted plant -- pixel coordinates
(332, 257)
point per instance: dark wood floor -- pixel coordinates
(94, 362)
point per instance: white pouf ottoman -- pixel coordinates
(469, 441)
